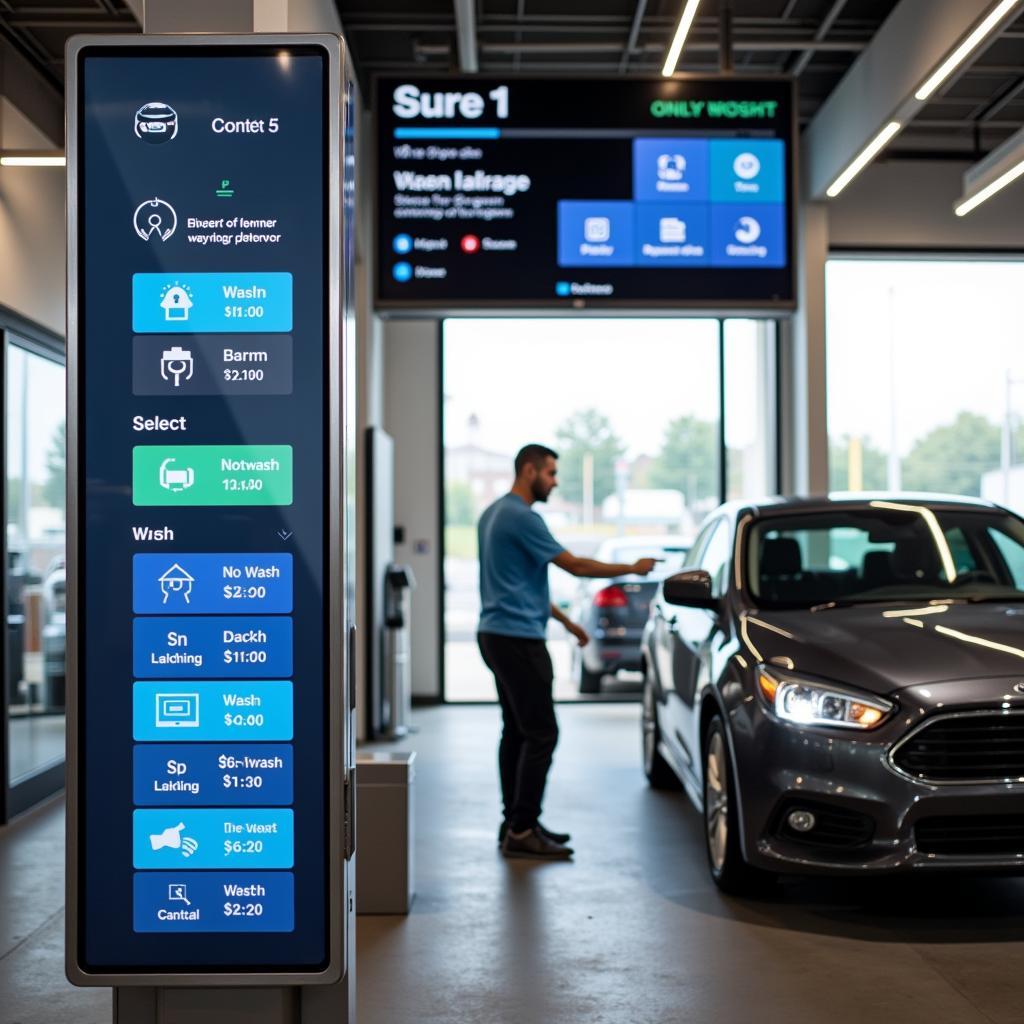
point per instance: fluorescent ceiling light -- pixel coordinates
(990, 190)
(964, 50)
(32, 159)
(1004, 165)
(863, 158)
(682, 31)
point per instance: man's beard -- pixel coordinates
(539, 494)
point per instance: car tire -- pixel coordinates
(656, 768)
(729, 871)
(590, 682)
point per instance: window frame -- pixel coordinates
(29, 790)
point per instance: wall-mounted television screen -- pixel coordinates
(610, 192)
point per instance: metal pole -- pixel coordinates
(725, 62)
(894, 480)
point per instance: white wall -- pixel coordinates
(32, 241)
(909, 204)
(412, 390)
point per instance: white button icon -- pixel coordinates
(671, 166)
(597, 229)
(671, 230)
(746, 166)
(155, 218)
(748, 230)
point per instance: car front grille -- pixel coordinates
(970, 747)
(978, 835)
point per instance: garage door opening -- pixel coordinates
(654, 420)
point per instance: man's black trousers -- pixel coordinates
(523, 672)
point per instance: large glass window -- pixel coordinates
(750, 413)
(35, 584)
(634, 409)
(926, 376)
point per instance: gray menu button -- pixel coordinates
(212, 364)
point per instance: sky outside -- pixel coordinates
(639, 373)
(953, 329)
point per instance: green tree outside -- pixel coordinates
(587, 431)
(875, 466)
(688, 460)
(953, 457)
(56, 469)
(459, 504)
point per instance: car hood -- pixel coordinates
(886, 647)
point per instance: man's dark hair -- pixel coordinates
(533, 454)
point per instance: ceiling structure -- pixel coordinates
(38, 29)
(816, 41)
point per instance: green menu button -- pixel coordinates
(212, 474)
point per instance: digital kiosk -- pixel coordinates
(210, 574)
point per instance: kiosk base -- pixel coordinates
(311, 1004)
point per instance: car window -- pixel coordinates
(695, 553)
(715, 559)
(1013, 555)
(960, 548)
(886, 551)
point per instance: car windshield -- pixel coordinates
(673, 555)
(889, 550)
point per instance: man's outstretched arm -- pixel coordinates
(592, 568)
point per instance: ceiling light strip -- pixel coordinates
(965, 49)
(13, 160)
(682, 31)
(866, 155)
(989, 190)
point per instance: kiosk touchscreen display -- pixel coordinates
(610, 192)
(202, 357)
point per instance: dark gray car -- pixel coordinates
(838, 683)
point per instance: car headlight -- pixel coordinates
(807, 702)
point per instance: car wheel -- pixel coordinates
(590, 682)
(730, 872)
(656, 768)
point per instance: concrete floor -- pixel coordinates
(631, 933)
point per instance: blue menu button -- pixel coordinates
(260, 901)
(189, 303)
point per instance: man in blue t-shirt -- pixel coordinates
(515, 549)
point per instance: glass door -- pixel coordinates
(34, 583)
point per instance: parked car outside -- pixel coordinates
(54, 640)
(838, 685)
(614, 611)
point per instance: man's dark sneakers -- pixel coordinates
(555, 837)
(533, 844)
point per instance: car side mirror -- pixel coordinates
(691, 588)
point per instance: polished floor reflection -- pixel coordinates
(35, 743)
(632, 932)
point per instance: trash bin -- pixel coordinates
(384, 832)
(399, 583)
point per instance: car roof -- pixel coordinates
(779, 505)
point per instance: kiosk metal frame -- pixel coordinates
(142, 996)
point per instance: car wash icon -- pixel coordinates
(156, 123)
(176, 582)
(155, 219)
(176, 480)
(176, 301)
(176, 365)
(172, 839)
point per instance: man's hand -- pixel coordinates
(643, 566)
(582, 637)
